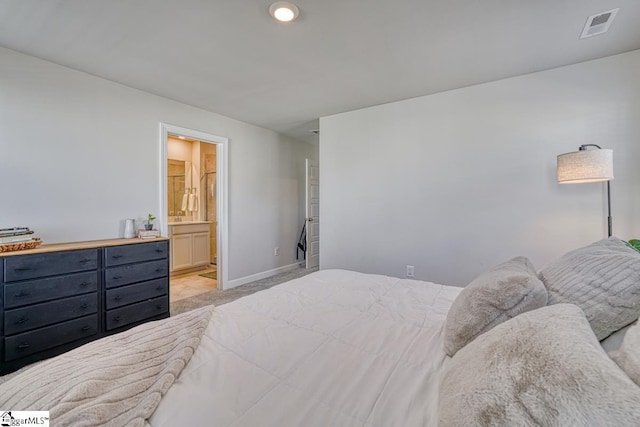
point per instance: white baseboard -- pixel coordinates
(252, 278)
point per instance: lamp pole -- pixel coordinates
(583, 147)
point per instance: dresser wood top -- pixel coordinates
(56, 247)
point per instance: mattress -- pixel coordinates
(334, 348)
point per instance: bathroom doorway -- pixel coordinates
(194, 208)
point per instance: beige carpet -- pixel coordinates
(216, 297)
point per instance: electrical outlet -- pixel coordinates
(410, 272)
(276, 251)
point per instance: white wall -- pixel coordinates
(78, 154)
(457, 182)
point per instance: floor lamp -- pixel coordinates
(584, 166)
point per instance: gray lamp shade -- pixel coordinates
(585, 166)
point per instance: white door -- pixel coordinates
(313, 213)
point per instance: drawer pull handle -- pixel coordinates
(158, 270)
(158, 288)
(23, 268)
(117, 319)
(159, 251)
(117, 277)
(117, 298)
(85, 328)
(23, 346)
(22, 294)
(85, 284)
(116, 256)
(84, 306)
(21, 320)
(158, 307)
(85, 260)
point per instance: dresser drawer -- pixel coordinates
(136, 312)
(48, 313)
(1, 315)
(49, 264)
(119, 255)
(125, 295)
(126, 274)
(52, 336)
(39, 290)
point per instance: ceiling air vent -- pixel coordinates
(598, 24)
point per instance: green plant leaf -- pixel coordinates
(635, 244)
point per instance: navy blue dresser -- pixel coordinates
(58, 297)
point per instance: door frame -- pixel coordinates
(308, 164)
(222, 161)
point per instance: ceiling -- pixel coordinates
(230, 57)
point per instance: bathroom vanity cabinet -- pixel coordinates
(58, 297)
(190, 246)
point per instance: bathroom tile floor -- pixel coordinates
(188, 285)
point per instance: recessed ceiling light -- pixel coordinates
(284, 11)
(181, 137)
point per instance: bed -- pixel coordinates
(332, 348)
(335, 347)
(342, 348)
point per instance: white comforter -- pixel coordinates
(335, 348)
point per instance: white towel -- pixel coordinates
(193, 202)
(185, 198)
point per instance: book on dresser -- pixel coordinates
(58, 297)
(148, 234)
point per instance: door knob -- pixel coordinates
(310, 219)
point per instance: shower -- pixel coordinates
(208, 206)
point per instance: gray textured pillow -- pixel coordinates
(542, 368)
(628, 356)
(603, 279)
(493, 297)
